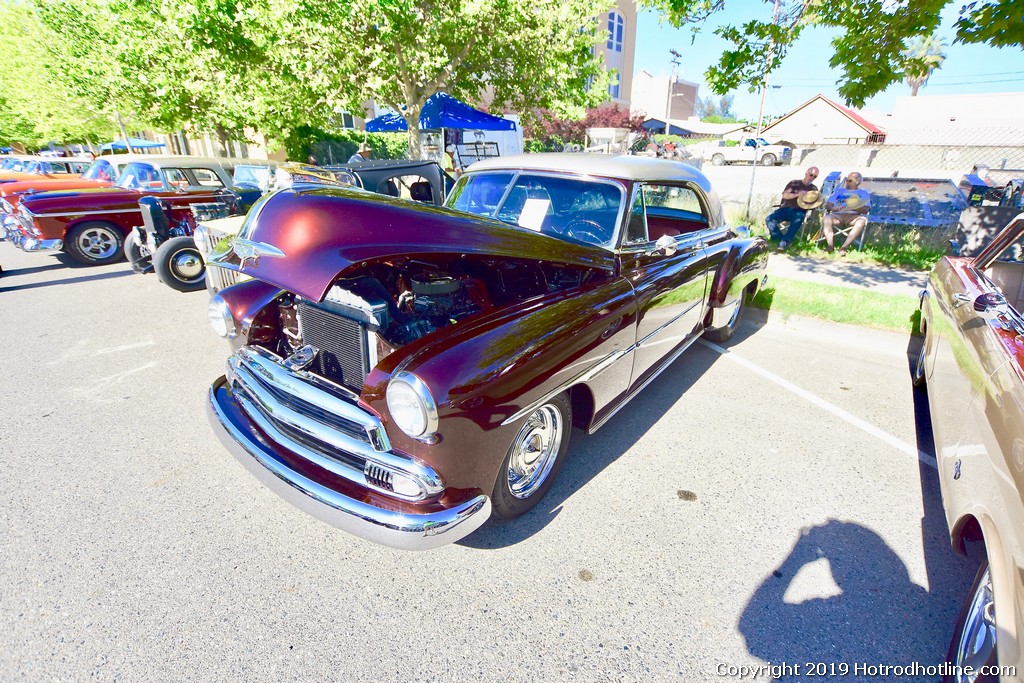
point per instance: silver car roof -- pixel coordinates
(624, 166)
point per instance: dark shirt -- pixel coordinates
(796, 186)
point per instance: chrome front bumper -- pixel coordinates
(387, 527)
(12, 231)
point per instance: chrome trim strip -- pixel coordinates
(311, 389)
(629, 397)
(387, 527)
(721, 315)
(82, 213)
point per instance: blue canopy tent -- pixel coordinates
(441, 111)
(137, 143)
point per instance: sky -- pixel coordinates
(805, 71)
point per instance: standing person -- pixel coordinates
(361, 155)
(848, 206)
(792, 209)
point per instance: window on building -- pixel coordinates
(616, 34)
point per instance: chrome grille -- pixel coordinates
(344, 347)
(321, 423)
(221, 278)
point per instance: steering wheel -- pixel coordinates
(584, 230)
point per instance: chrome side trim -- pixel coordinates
(722, 315)
(629, 397)
(400, 530)
(82, 213)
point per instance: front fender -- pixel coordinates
(483, 373)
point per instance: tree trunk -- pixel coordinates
(124, 134)
(412, 120)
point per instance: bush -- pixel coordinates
(337, 147)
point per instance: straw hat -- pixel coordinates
(363, 147)
(811, 199)
(854, 201)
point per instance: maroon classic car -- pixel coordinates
(91, 225)
(405, 371)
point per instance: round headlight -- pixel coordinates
(221, 320)
(411, 405)
(202, 239)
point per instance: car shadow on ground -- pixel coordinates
(589, 455)
(64, 281)
(848, 628)
(846, 272)
(14, 272)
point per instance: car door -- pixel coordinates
(663, 257)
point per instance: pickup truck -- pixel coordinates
(749, 150)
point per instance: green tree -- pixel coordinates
(716, 111)
(868, 49)
(37, 103)
(923, 55)
(397, 53)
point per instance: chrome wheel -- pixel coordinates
(98, 242)
(187, 266)
(976, 646)
(535, 451)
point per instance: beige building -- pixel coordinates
(820, 121)
(972, 119)
(620, 49)
(663, 97)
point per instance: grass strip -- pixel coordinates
(848, 305)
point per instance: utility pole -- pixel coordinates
(760, 113)
(676, 58)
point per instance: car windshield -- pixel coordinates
(569, 207)
(251, 176)
(13, 165)
(139, 176)
(101, 169)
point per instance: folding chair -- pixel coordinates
(839, 232)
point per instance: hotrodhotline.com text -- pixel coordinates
(829, 670)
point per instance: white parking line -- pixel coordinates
(126, 347)
(867, 427)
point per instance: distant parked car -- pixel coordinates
(404, 371)
(102, 173)
(972, 362)
(91, 225)
(421, 181)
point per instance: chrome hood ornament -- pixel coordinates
(247, 250)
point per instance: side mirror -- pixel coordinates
(991, 305)
(666, 246)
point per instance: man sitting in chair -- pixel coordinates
(848, 207)
(794, 207)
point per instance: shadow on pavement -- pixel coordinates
(589, 455)
(846, 273)
(848, 627)
(66, 281)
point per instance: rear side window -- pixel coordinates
(206, 177)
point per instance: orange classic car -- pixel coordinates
(972, 363)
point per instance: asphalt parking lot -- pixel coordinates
(770, 502)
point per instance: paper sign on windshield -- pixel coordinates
(533, 214)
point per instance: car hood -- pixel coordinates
(80, 198)
(45, 184)
(302, 239)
